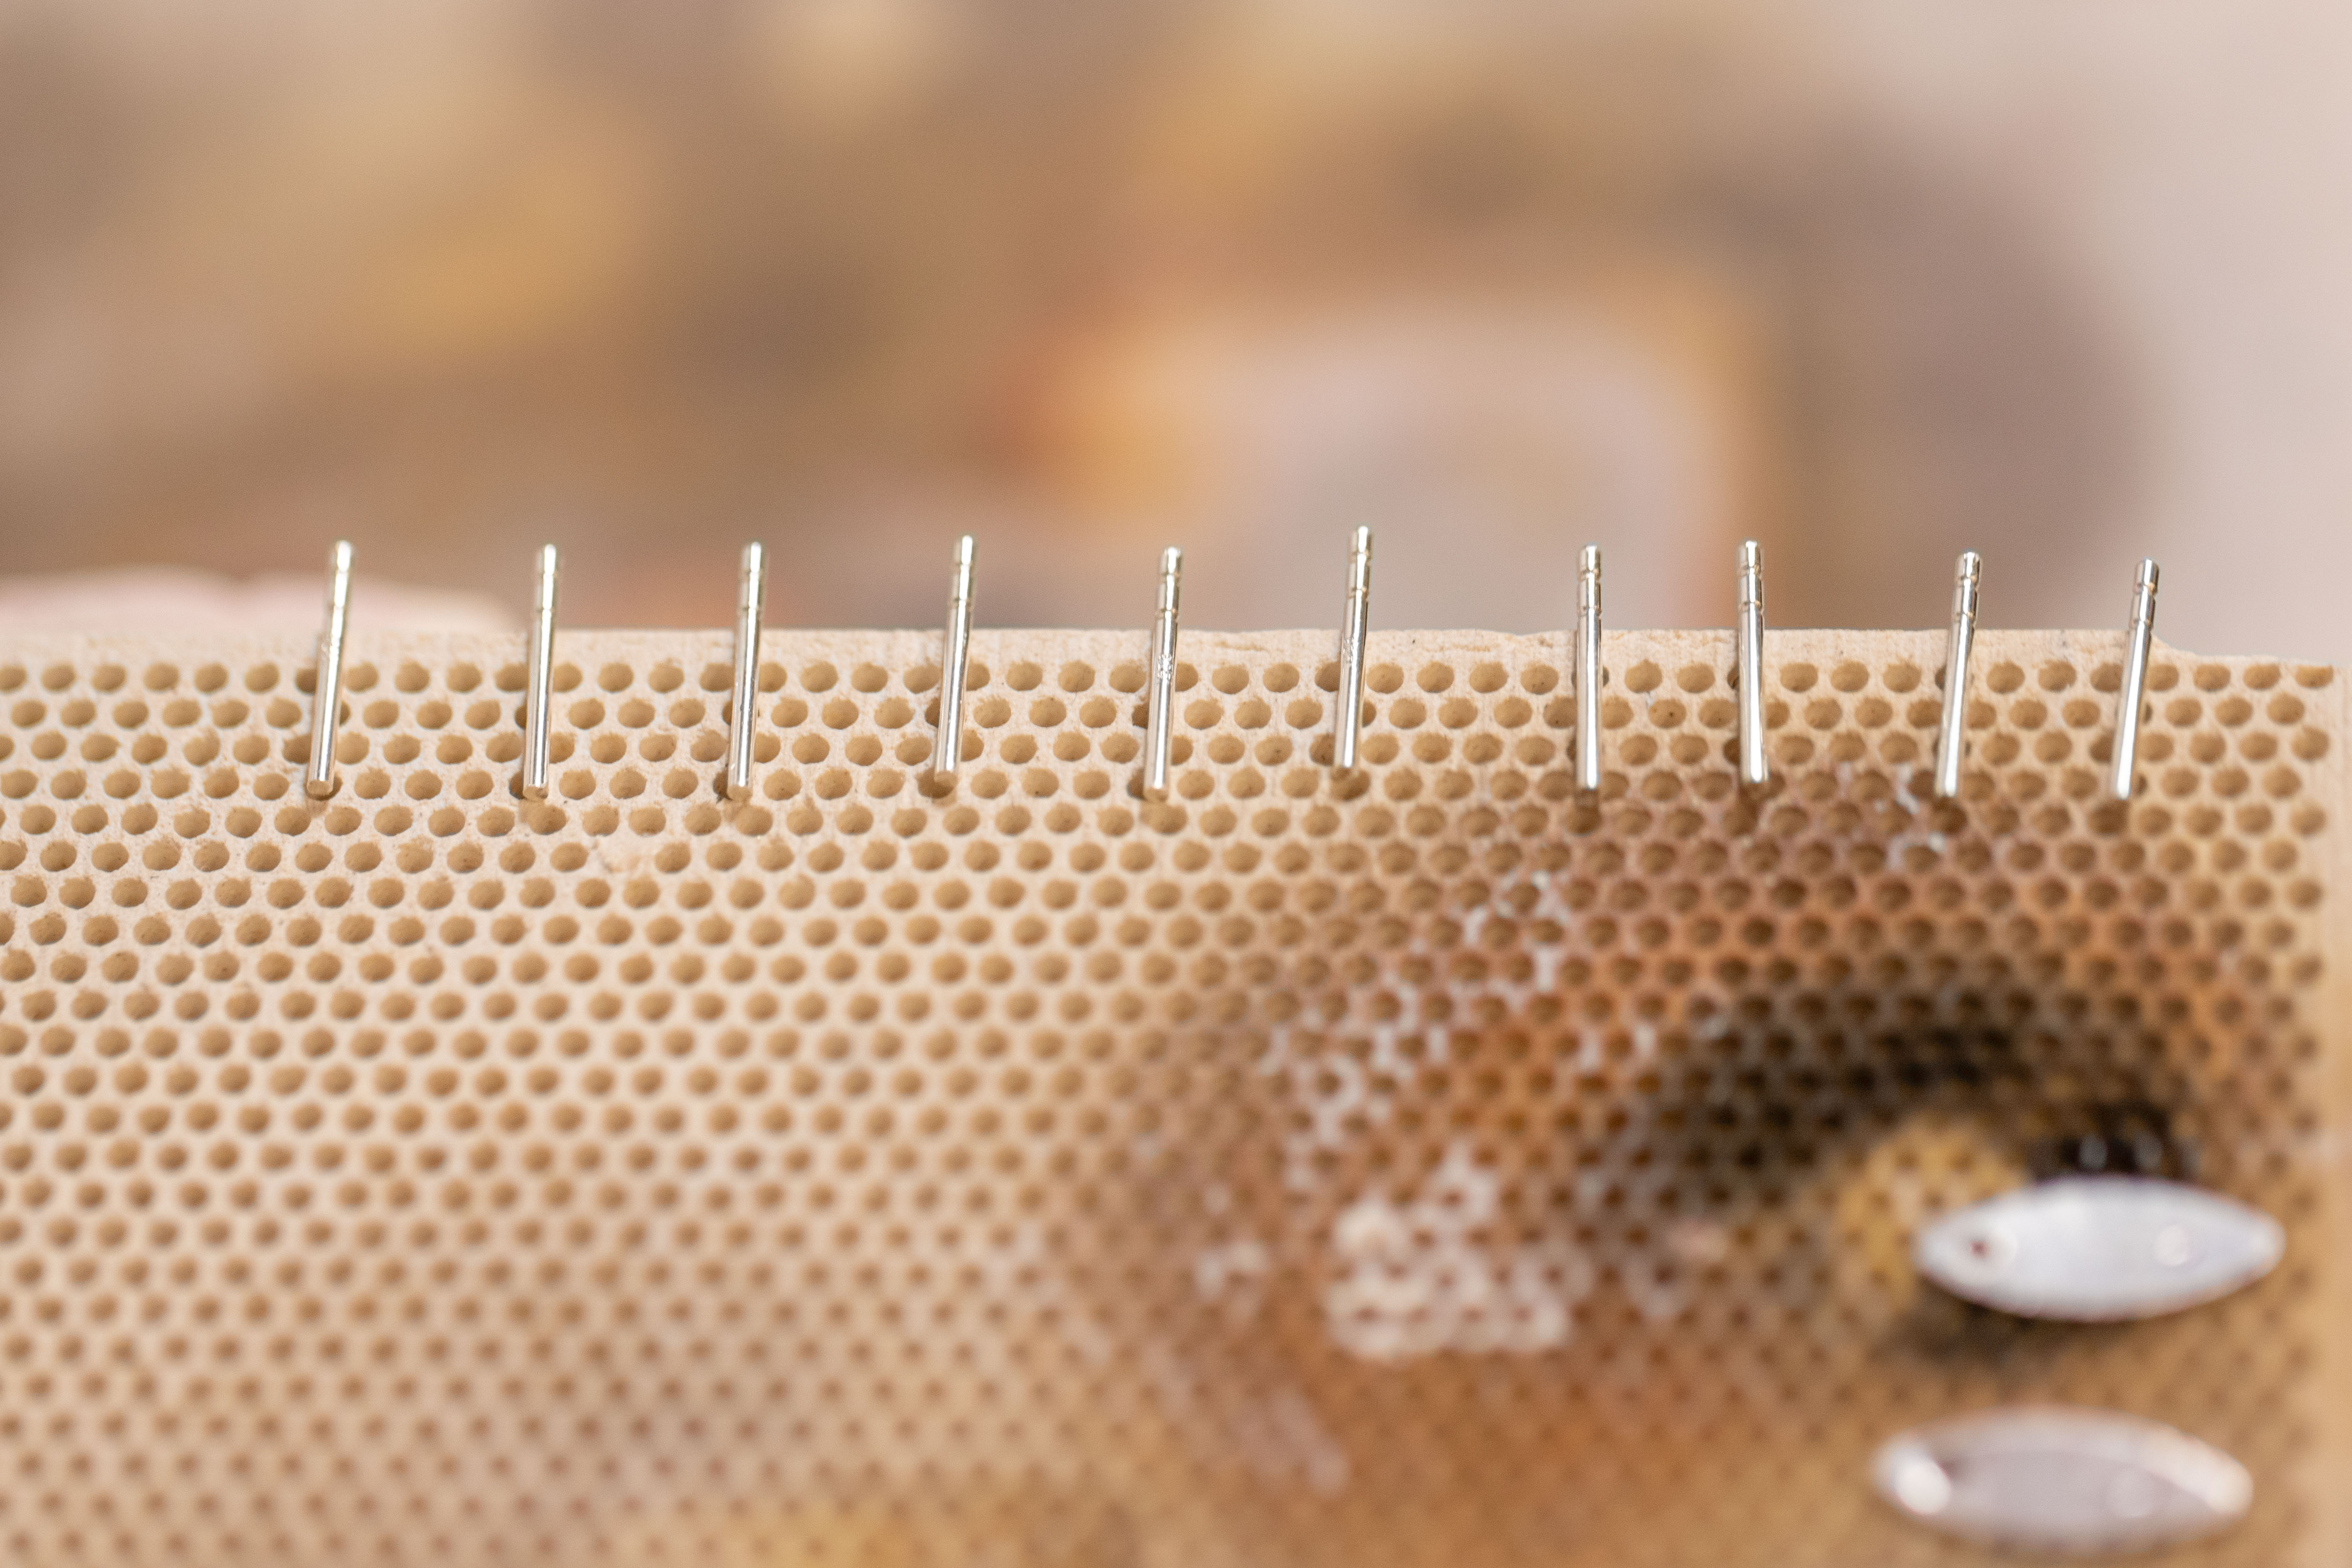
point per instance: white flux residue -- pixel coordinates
(1425, 1277)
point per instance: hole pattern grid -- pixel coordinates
(1416, 1166)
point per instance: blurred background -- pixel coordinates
(1873, 280)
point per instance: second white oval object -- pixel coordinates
(2060, 1480)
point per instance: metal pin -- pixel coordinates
(1355, 630)
(1587, 670)
(327, 691)
(1160, 717)
(539, 700)
(751, 603)
(1753, 769)
(2137, 638)
(1951, 737)
(955, 659)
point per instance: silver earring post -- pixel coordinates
(1159, 715)
(751, 605)
(1355, 631)
(1951, 734)
(327, 693)
(1588, 671)
(955, 659)
(2137, 638)
(1753, 769)
(539, 699)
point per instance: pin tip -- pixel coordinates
(1592, 558)
(1751, 554)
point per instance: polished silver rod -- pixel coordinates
(1587, 670)
(743, 721)
(2137, 638)
(327, 688)
(955, 660)
(540, 696)
(1951, 734)
(1355, 631)
(1753, 769)
(1160, 718)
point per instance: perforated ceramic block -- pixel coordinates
(1428, 1165)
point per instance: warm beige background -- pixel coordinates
(2064, 283)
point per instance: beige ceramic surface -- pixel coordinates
(1428, 1166)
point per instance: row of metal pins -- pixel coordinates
(1749, 657)
(1951, 740)
(1158, 725)
(2139, 634)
